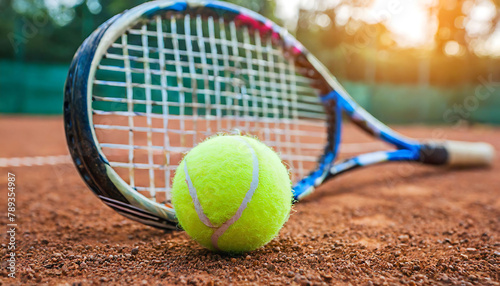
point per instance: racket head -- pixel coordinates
(151, 83)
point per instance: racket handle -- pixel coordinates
(457, 153)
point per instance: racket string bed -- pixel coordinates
(199, 76)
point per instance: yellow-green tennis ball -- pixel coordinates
(232, 193)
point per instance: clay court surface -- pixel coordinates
(396, 223)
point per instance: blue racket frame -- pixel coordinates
(408, 149)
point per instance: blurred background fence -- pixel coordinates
(35, 88)
(405, 61)
(31, 88)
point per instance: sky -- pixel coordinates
(408, 20)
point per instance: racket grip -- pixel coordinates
(457, 153)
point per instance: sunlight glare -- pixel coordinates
(452, 48)
(407, 20)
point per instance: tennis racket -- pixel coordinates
(153, 82)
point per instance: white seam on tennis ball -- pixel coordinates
(219, 231)
(194, 196)
(248, 196)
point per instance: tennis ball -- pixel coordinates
(232, 193)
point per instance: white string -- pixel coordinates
(215, 64)
(204, 67)
(185, 149)
(178, 70)
(251, 79)
(263, 87)
(301, 81)
(192, 70)
(147, 79)
(130, 107)
(286, 91)
(225, 57)
(301, 106)
(165, 102)
(295, 115)
(236, 74)
(274, 98)
(219, 41)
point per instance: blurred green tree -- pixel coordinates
(51, 31)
